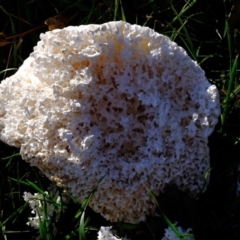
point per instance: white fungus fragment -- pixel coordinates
(170, 235)
(42, 209)
(117, 101)
(105, 233)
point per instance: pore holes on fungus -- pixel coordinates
(116, 102)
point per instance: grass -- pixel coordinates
(211, 36)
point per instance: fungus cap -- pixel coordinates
(113, 101)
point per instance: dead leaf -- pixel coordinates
(59, 21)
(3, 40)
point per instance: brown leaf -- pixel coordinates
(3, 40)
(59, 21)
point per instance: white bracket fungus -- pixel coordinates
(114, 100)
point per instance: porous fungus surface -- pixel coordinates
(116, 102)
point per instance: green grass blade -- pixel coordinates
(226, 103)
(81, 211)
(115, 10)
(39, 190)
(16, 213)
(90, 13)
(167, 220)
(118, 3)
(123, 17)
(10, 157)
(187, 7)
(82, 235)
(189, 43)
